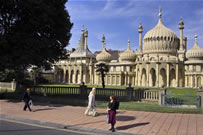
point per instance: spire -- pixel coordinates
(160, 15)
(83, 29)
(128, 44)
(196, 37)
(86, 35)
(103, 42)
(181, 23)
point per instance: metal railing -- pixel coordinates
(101, 93)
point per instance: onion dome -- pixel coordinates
(181, 24)
(140, 28)
(195, 53)
(103, 56)
(128, 54)
(160, 39)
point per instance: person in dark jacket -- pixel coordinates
(26, 99)
(112, 112)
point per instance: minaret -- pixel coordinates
(181, 27)
(82, 31)
(86, 35)
(128, 44)
(196, 38)
(103, 43)
(140, 30)
(182, 49)
(160, 15)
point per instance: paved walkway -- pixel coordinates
(136, 122)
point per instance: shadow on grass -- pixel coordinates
(131, 126)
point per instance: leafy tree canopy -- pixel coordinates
(32, 32)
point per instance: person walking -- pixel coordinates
(112, 106)
(91, 108)
(26, 99)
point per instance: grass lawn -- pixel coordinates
(6, 91)
(182, 91)
(138, 106)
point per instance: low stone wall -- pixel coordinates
(8, 85)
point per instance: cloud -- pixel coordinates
(108, 9)
(131, 13)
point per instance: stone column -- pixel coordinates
(69, 75)
(136, 77)
(195, 81)
(55, 76)
(120, 79)
(140, 75)
(157, 75)
(111, 79)
(186, 79)
(90, 69)
(59, 76)
(167, 74)
(147, 74)
(64, 75)
(126, 79)
(177, 75)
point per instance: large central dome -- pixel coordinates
(160, 39)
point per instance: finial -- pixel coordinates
(140, 29)
(196, 37)
(181, 23)
(128, 44)
(140, 26)
(103, 42)
(160, 14)
(103, 38)
(86, 32)
(83, 28)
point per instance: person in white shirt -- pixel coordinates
(91, 108)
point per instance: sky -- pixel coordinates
(118, 20)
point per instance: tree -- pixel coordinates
(102, 69)
(32, 33)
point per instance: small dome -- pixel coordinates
(128, 54)
(160, 39)
(195, 52)
(181, 22)
(103, 56)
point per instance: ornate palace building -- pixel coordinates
(162, 60)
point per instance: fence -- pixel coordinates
(101, 93)
(8, 85)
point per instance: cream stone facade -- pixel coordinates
(159, 61)
(194, 66)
